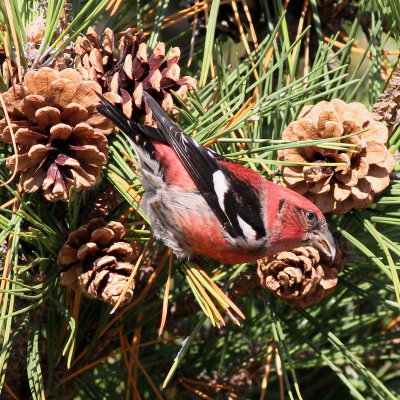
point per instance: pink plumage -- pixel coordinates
(201, 202)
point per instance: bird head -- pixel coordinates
(297, 221)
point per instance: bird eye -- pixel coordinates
(310, 216)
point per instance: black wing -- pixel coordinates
(217, 184)
(138, 133)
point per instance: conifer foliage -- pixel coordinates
(91, 306)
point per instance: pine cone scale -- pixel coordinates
(61, 92)
(30, 104)
(47, 116)
(349, 179)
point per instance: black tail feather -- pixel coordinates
(126, 125)
(157, 110)
(116, 116)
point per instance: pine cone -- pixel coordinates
(61, 137)
(34, 33)
(241, 379)
(365, 174)
(129, 71)
(300, 277)
(387, 108)
(98, 262)
(101, 201)
(243, 284)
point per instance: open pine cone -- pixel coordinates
(60, 135)
(98, 262)
(365, 172)
(300, 277)
(128, 70)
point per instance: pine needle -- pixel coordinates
(14, 144)
(166, 295)
(264, 384)
(18, 50)
(204, 299)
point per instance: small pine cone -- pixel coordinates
(241, 380)
(245, 283)
(300, 277)
(98, 262)
(128, 71)
(101, 200)
(365, 172)
(60, 135)
(387, 108)
(34, 33)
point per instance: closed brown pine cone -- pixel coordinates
(97, 261)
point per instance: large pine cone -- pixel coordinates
(98, 262)
(366, 168)
(60, 135)
(127, 70)
(300, 277)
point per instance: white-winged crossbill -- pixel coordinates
(201, 202)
